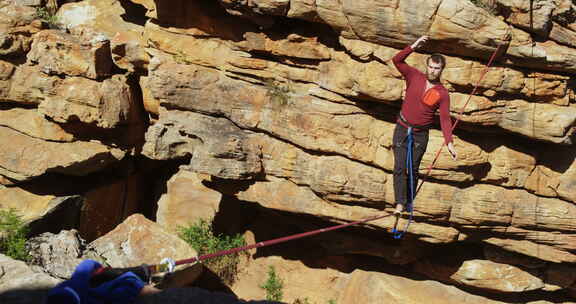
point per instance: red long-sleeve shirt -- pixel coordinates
(414, 110)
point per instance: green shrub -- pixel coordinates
(273, 286)
(45, 15)
(13, 233)
(202, 238)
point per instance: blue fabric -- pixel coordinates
(124, 289)
(409, 165)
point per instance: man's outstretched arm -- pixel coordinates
(399, 59)
(446, 126)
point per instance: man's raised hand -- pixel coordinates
(419, 42)
(452, 151)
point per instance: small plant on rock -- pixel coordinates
(279, 94)
(202, 238)
(48, 17)
(306, 301)
(273, 286)
(13, 233)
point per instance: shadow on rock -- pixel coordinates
(174, 296)
(194, 295)
(24, 296)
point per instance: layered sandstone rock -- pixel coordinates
(138, 240)
(103, 20)
(33, 124)
(24, 157)
(535, 16)
(28, 205)
(107, 104)
(290, 106)
(17, 277)
(485, 275)
(16, 28)
(195, 294)
(372, 287)
(320, 149)
(58, 53)
(58, 254)
(322, 285)
(186, 193)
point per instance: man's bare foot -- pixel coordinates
(399, 209)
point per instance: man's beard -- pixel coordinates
(431, 77)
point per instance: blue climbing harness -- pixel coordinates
(409, 166)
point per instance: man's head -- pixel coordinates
(434, 67)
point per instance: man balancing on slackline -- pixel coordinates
(424, 95)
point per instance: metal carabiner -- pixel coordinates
(167, 265)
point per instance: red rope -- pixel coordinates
(484, 72)
(154, 268)
(275, 241)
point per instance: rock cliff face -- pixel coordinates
(252, 110)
